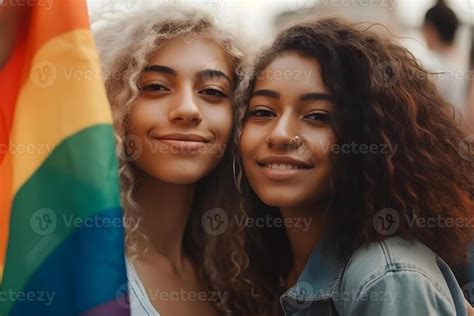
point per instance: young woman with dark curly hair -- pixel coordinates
(352, 173)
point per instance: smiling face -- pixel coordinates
(289, 99)
(182, 121)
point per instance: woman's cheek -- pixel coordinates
(246, 139)
(323, 143)
(220, 120)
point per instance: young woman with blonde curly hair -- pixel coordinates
(342, 129)
(170, 79)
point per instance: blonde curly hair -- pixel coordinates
(125, 46)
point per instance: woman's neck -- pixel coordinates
(165, 209)
(303, 236)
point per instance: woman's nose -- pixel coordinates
(185, 109)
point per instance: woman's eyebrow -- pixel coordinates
(213, 73)
(160, 69)
(316, 96)
(265, 93)
(305, 97)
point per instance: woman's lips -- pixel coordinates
(281, 172)
(185, 145)
(181, 143)
(184, 137)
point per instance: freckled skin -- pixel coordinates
(183, 103)
(288, 116)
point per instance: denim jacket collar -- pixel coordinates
(320, 277)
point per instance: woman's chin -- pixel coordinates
(176, 174)
(182, 175)
(276, 199)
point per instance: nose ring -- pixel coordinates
(296, 141)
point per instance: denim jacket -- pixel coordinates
(392, 277)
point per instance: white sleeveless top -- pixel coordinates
(140, 304)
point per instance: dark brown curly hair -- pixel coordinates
(382, 96)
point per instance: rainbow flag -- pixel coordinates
(61, 234)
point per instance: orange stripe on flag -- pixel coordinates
(47, 23)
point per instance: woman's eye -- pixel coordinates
(261, 113)
(213, 92)
(318, 117)
(155, 87)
